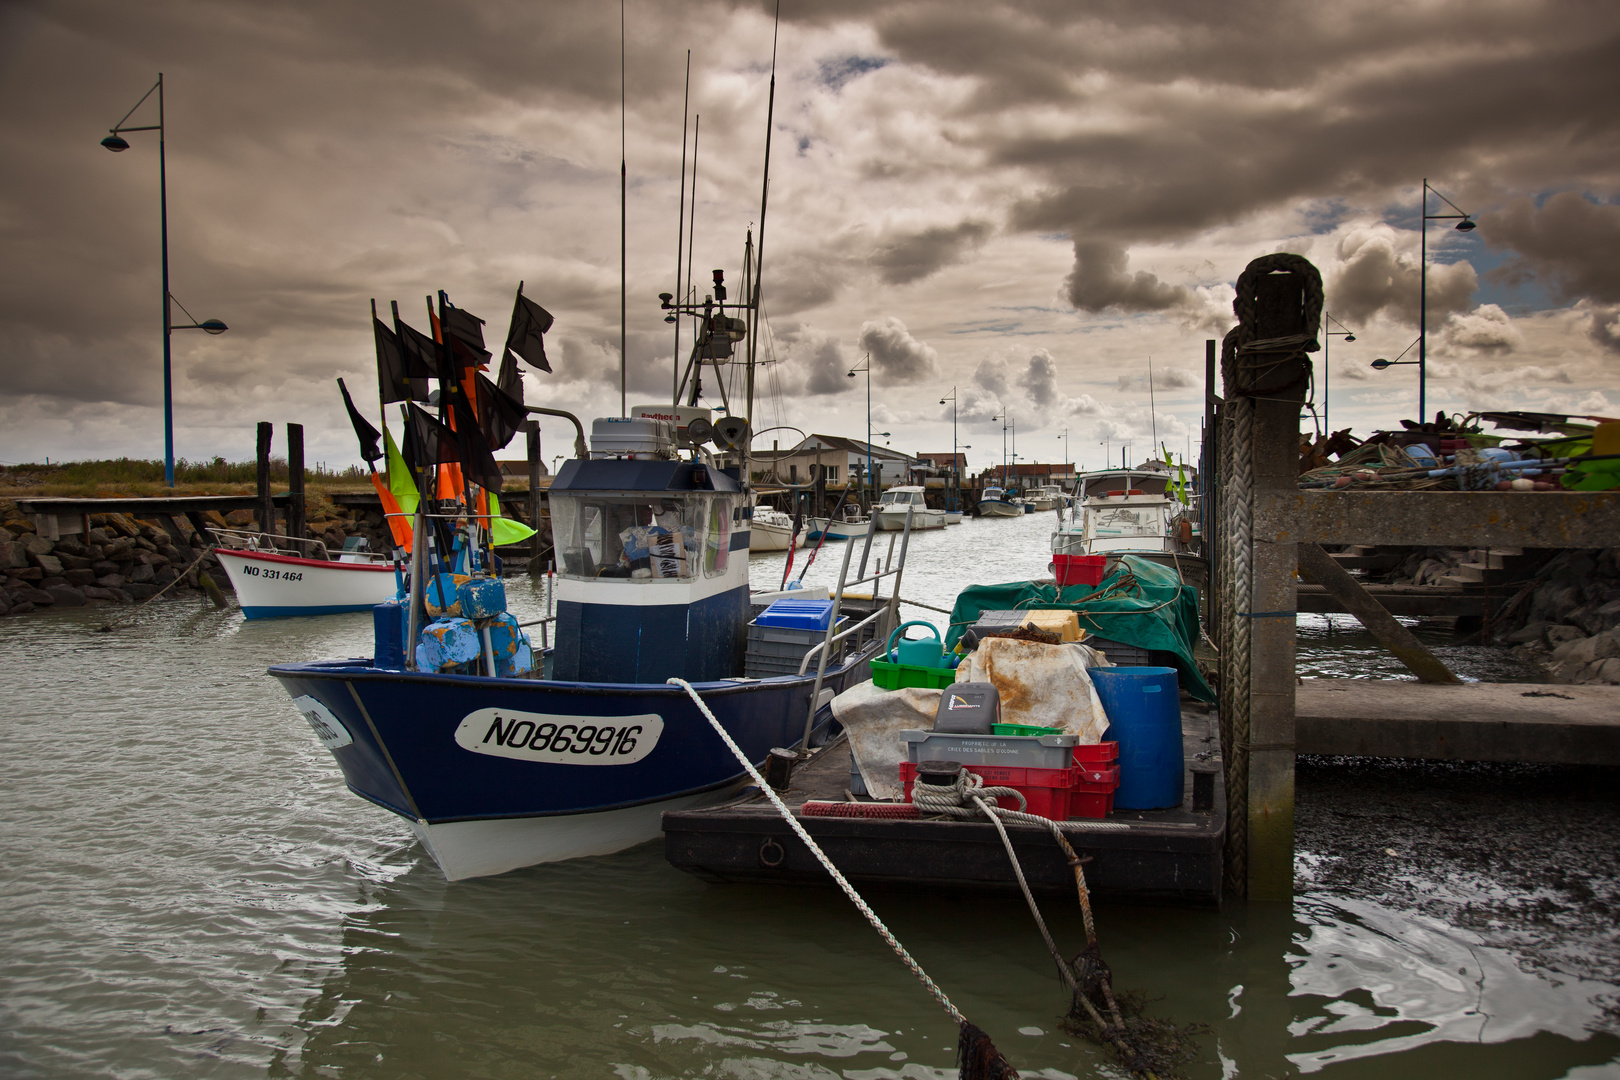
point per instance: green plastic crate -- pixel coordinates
(1023, 729)
(896, 676)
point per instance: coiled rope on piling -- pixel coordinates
(1246, 362)
(978, 1056)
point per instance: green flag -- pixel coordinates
(399, 477)
(502, 530)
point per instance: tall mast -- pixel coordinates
(759, 258)
(680, 241)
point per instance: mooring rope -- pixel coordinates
(821, 857)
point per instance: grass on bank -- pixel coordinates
(129, 477)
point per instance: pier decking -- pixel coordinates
(1161, 855)
(1531, 722)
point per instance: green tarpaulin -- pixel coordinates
(1141, 603)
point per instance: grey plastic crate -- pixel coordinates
(779, 650)
(1119, 653)
(1016, 751)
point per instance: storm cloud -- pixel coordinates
(897, 357)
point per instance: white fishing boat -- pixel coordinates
(890, 513)
(836, 528)
(272, 581)
(1147, 512)
(772, 530)
(996, 503)
(953, 517)
(1040, 499)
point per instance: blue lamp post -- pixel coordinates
(117, 144)
(1465, 223)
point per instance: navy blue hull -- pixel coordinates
(447, 748)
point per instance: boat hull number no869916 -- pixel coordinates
(560, 740)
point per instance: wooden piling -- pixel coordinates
(1266, 371)
(267, 507)
(295, 481)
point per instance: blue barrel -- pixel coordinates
(1144, 714)
(389, 627)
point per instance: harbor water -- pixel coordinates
(190, 891)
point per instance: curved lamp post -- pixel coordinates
(1381, 364)
(1465, 223)
(1327, 340)
(956, 480)
(866, 366)
(117, 144)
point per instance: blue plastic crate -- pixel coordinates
(797, 614)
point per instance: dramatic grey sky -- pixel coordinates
(1022, 201)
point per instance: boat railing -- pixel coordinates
(822, 647)
(249, 540)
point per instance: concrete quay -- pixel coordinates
(1544, 723)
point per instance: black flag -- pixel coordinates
(509, 378)
(462, 324)
(397, 378)
(529, 322)
(499, 415)
(363, 430)
(421, 353)
(433, 442)
(477, 460)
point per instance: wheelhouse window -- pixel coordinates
(631, 536)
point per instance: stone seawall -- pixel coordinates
(121, 560)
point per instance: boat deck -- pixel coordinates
(1160, 855)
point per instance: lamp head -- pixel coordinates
(115, 143)
(1380, 364)
(213, 326)
(852, 374)
(1466, 225)
(942, 401)
(664, 298)
(1349, 337)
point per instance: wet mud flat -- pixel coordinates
(1527, 857)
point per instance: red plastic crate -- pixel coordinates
(1059, 794)
(1097, 753)
(1079, 569)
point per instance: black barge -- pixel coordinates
(1155, 856)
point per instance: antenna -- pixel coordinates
(624, 275)
(764, 197)
(1153, 410)
(680, 237)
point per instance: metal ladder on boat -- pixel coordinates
(886, 617)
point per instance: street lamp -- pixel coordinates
(866, 366)
(1465, 223)
(117, 144)
(1381, 364)
(955, 481)
(1329, 335)
(1002, 416)
(1065, 438)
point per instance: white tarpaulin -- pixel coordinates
(874, 719)
(1043, 685)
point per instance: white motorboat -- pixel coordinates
(276, 581)
(996, 503)
(1144, 512)
(772, 530)
(836, 528)
(1041, 499)
(953, 517)
(890, 513)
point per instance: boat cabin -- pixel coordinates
(898, 498)
(652, 571)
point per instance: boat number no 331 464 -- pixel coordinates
(272, 575)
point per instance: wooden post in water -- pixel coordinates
(267, 506)
(1266, 369)
(531, 435)
(295, 481)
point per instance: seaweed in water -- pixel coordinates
(1146, 1046)
(978, 1058)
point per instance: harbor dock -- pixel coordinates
(1542, 723)
(1169, 855)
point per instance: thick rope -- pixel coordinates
(821, 857)
(954, 801)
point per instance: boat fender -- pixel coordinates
(504, 635)
(447, 643)
(481, 598)
(520, 663)
(440, 593)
